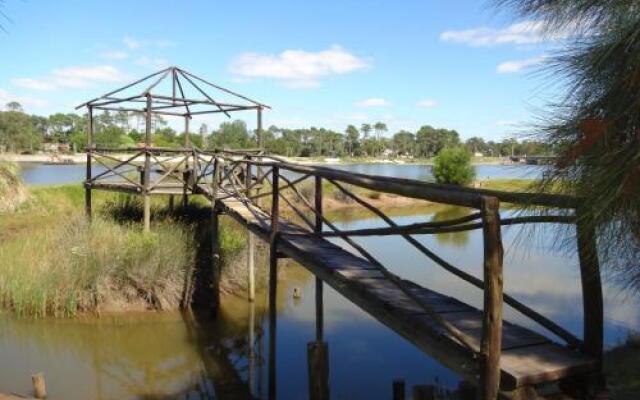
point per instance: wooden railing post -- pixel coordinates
(273, 278)
(147, 168)
(592, 303)
(319, 287)
(491, 343)
(250, 237)
(186, 180)
(215, 229)
(89, 150)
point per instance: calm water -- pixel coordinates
(40, 174)
(164, 355)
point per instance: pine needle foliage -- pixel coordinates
(595, 126)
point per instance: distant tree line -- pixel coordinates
(22, 132)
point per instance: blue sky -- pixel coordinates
(453, 64)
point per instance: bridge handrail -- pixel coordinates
(442, 193)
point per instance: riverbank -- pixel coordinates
(55, 263)
(81, 158)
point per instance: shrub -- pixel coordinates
(453, 166)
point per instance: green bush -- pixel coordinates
(453, 166)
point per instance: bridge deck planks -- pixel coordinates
(527, 358)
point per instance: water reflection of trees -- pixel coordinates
(454, 239)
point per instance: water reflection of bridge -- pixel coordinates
(250, 186)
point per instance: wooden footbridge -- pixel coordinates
(271, 198)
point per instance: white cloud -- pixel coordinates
(73, 77)
(521, 33)
(297, 68)
(427, 103)
(6, 97)
(80, 77)
(114, 55)
(131, 43)
(518, 65)
(373, 102)
(33, 84)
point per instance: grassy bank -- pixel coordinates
(53, 262)
(12, 191)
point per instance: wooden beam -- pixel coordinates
(213, 85)
(87, 188)
(491, 343)
(122, 88)
(147, 169)
(273, 282)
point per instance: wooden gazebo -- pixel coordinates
(169, 92)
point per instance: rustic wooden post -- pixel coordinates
(252, 356)
(319, 288)
(215, 229)
(39, 386)
(318, 369)
(250, 239)
(186, 131)
(186, 179)
(147, 168)
(259, 127)
(592, 303)
(171, 202)
(491, 342)
(318, 351)
(89, 150)
(399, 391)
(273, 279)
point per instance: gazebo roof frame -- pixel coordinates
(177, 104)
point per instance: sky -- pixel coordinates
(460, 64)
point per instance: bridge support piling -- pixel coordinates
(250, 241)
(318, 367)
(251, 265)
(252, 351)
(273, 279)
(215, 232)
(491, 342)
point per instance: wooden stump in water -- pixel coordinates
(318, 359)
(39, 387)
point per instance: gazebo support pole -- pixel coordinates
(147, 168)
(89, 150)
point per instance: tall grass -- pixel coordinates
(12, 190)
(54, 262)
(80, 266)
